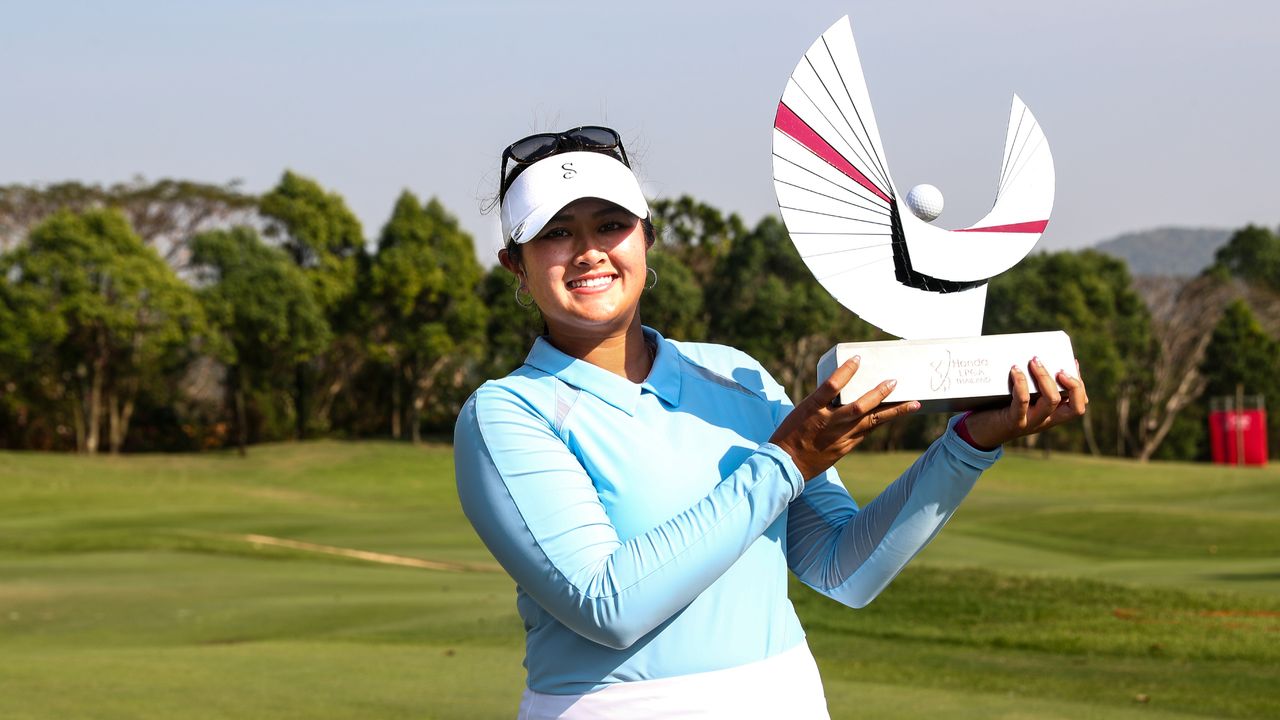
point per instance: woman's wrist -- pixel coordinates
(966, 434)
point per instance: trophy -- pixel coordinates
(887, 263)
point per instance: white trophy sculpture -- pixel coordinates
(886, 263)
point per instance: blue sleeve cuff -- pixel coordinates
(966, 453)
(788, 465)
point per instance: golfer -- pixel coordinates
(649, 496)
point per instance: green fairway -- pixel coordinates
(133, 587)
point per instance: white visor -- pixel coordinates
(545, 187)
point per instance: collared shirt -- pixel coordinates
(649, 527)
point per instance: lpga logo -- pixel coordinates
(941, 380)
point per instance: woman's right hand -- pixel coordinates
(817, 434)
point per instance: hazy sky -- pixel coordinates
(1157, 111)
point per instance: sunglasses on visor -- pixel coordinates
(526, 151)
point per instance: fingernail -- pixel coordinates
(915, 405)
(1015, 369)
(891, 384)
(1036, 361)
(857, 359)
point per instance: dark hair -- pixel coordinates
(567, 141)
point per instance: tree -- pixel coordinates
(510, 329)
(1183, 316)
(674, 306)
(696, 234)
(262, 309)
(324, 239)
(127, 316)
(1252, 254)
(1242, 354)
(1091, 297)
(320, 234)
(424, 280)
(763, 300)
(165, 213)
(27, 336)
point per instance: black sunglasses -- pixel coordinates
(526, 151)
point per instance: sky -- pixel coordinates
(1156, 111)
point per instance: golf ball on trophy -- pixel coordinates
(925, 202)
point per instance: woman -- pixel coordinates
(648, 496)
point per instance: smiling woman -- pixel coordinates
(590, 263)
(578, 229)
(649, 496)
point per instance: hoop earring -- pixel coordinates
(527, 294)
(653, 284)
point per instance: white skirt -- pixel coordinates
(786, 685)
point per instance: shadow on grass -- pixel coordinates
(1245, 576)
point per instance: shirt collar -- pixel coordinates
(664, 376)
(663, 380)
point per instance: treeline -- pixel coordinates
(182, 316)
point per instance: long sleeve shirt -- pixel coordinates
(650, 527)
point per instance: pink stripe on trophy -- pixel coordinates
(791, 124)
(1036, 226)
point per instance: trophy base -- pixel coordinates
(949, 374)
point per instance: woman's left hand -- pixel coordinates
(992, 428)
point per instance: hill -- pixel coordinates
(1172, 251)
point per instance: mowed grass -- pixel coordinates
(1067, 588)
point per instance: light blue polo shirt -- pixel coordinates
(649, 527)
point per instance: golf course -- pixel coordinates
(331, 579)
